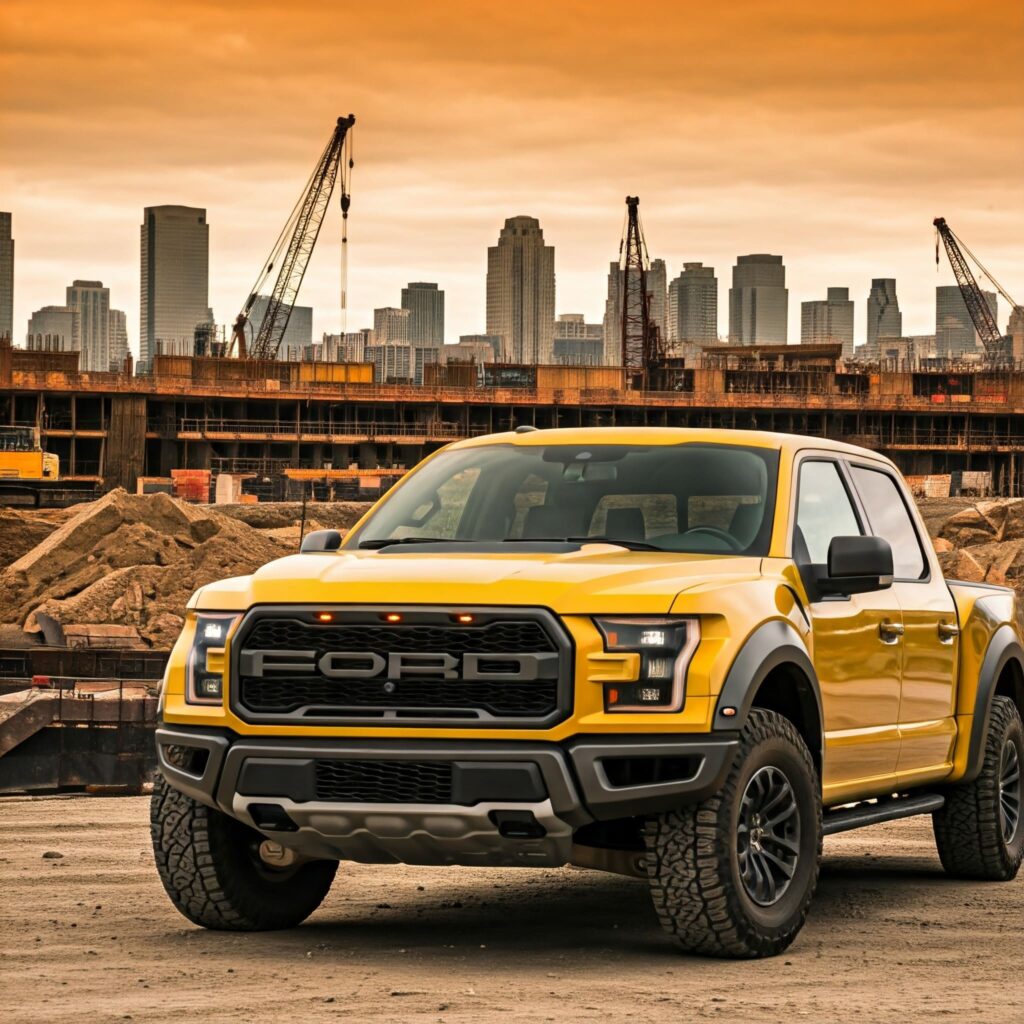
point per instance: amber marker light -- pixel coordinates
(466, 620)
(324, 617)
(392, 617)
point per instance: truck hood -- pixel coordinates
(597, 578)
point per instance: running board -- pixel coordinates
(885, 810)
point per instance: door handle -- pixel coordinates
(948, 631)
(890, 632)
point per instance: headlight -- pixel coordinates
(206, 658)
(665, 646)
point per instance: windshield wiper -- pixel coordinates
(384, 542)
(631, 545)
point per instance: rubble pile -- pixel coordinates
(131, 560)
(984, 542)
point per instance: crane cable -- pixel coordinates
(347, 162)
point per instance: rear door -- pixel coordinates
(931, 637)
(856, 642)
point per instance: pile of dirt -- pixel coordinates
(984, 542)
(131, 560)
(21, 529)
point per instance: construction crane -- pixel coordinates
(642, 349)
(294, 246)
(998, 348)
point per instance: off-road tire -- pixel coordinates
(210, 868)
(693, 863)
(969, 828)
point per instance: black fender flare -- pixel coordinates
(771, 645)
(1003, 648)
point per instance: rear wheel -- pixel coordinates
(979, 832)
(211, 868)
(733, 876)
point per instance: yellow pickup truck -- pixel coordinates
(681, 654)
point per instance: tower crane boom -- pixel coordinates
(641, 336)
(294, 248)
(981, 314)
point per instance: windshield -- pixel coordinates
(709, 498)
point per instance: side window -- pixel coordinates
(824, 509)
(891, 520)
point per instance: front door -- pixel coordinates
(931, 636)
(856, 641)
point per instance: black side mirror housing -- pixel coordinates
(321, 540)
(857, 565)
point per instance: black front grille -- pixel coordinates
(309, 695)
(287, 694)
(384, 782)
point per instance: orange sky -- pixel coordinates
(830, 133)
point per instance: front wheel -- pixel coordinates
(211, 868)
(979, 832)
(733, 876)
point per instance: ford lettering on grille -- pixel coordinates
(504, 667)
(368, 665)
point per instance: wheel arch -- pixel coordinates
(1002, 674)
(774, 671)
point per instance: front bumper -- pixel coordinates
(511, 803)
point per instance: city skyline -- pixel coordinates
(755, 143)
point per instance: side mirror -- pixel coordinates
(857, 565)
(321, 540)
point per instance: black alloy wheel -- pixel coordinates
(1009, 791)
(768, 836)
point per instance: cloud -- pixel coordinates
(830, 133)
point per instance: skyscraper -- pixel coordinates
(954, 329)
(92, 301)
(425, 303)
(693, 306)
(54, 329)
(391, 326)
(118, 339)
(884, 317)
(6, 277)
(829, 321)
(521, 292)
(175, 280)
(758, 301)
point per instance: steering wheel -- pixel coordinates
(713, 531)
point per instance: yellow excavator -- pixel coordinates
(22, 456)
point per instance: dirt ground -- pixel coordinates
(90, 936)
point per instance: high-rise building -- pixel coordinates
(693, 306)
(54, 329)
(118, 339)
(758, 301)
(298, 335)
(92, 301)
(175, 280)
(521, 292)
(390, 326)
(657, 291)
(578, 343)
(884, 317)
(955, 334)
(6, 277)
(829, 321)
(425, 303)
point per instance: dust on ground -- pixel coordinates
(90, 936)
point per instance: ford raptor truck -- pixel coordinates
(681, 654)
